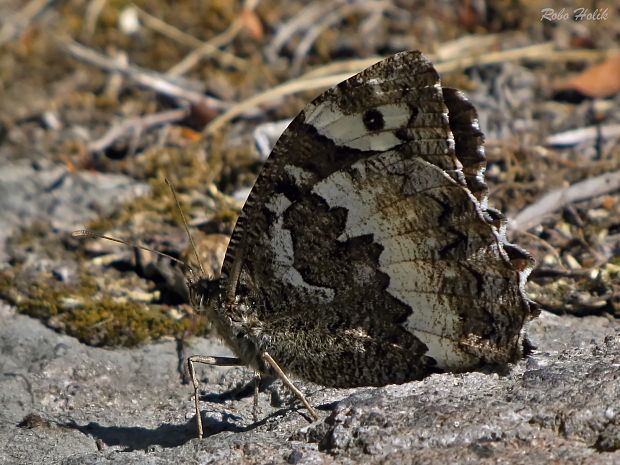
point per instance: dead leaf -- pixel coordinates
(190, 134)
(608, 202)
(598, 81)
(252, 23)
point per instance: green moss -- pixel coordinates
(108, 323)
(7, 286)
(41, 301)
(83, 311)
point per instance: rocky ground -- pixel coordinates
(64, 402)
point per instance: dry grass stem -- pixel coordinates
(206, 48)
(327, 21)
(136, 125)
(13, 25)
(558, 198)
(583, 135)
(178, 88)
(210, 48)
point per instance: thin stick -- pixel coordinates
(469, 44)
(255, 402)
(175, 87)
(558, 198)
(546, 245)
(135, 125)
(207, 47)
(191, 239)
(282, 90)
(210, 49)
(340, 67)
(304, 18)
(16, 23)
(328, 21)
(582, 135)
(91, 16)
(267, 358)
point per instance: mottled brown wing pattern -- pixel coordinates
(366, 254)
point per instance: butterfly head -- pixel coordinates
(203, 289)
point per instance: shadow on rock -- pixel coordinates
(239, 392)
(166, 435)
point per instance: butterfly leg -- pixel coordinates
(255, 403)
(272, 363)
(218, 361)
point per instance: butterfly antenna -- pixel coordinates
(189, 235)
(84, 233)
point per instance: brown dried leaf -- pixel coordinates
(252, 23)
(601, 80)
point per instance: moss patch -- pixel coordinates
(108, 323)
(82, 310)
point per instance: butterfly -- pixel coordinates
(366, 253)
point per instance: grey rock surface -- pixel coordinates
(56, 196)
(559, 406)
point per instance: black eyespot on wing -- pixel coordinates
(373, 120)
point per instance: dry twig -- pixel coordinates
(134, 127)
(327, 21)
(304, 19)
(91, 16)
(468, 45)
(554, 200)
(13, 25)
(177, 88)
(207, 48)
(582, 135)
